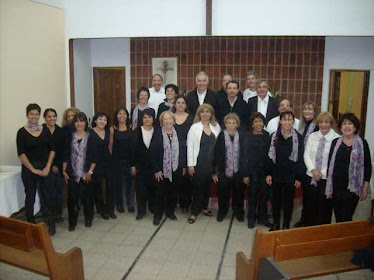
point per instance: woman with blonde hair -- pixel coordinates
(200, 148)
(67, 120)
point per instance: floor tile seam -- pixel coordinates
(224, 248)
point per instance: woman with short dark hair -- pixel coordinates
(142, 96)
(349, 169)
(171, 92)
(36, 151)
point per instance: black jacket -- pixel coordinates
(141, 156)
(193, 100)
(272, 110)
(240, 108)
(219, 157)
(140, 116)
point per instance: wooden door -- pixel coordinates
(109, 89)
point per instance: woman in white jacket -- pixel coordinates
(201, 139)
(316, 157)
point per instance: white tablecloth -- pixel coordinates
(12, 192)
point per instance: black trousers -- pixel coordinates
(283, 191)
(123, 184)
(185, 192)
(80, 192)
(145, 191)
(31, 183)
(344, 204)
(57, 183)
(166, 195)
(304, 185)
(200, 192)
(227, 185)
(258, 192)
(103, 200)
(319, 208)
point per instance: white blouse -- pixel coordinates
(147, 136)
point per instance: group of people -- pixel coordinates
(175, 146)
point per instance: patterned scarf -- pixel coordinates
(171, 154)
(78, 156)
(34, 126)
(167, 103)
(355, 171)
(135, 114)
(295, 146)
(319, 155)
(232, 154)
(309, 131)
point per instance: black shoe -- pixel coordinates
(207, 213)
(131, 209)
(275, 227)
(286, 226)
(156, 222)
(52, 229)
(300, 223)
(112, 216)
(172, 217)
(266, 223)
(88, 224)
(59, 220)
(152, 210)
(139, 217)
(240, 218)
(251, 224)
(220, 217)
(120, 209)
(104, 216)
(71, 227)
(184, 210)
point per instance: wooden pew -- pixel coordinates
(309, 251)
(29, 246)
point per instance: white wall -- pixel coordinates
(293, 17)
(355, 53)
(113, 53)
(83, 77)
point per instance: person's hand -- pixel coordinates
(159, 176)
(133, 171)
(215, 178)
(45, 171)
(364, 192)
(55, 169)
(184, 171)
(269, 180)
(317, 175)
(66, 176)
(191, 170)
(37, 172)
(246, 180)
(297, 184)
(87, 177)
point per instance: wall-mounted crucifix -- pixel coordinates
(208, 17)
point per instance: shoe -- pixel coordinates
(266, 223)
(286, 225)
(251, 224)
(220, 218)
(88, 224)
(59, 220)
(112, 216)
(131, 209)
(207, 213)
(184, 210)
(300, 223)
(240, 218)
(156, 222)
(191, 220)
(120, 209)
(52, 229)
(104, 216)
(71, 227)
(152, 210)
(139, 217)
(172, 217)
(275, 227)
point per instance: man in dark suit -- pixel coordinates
(201, 94)
(263, 103)
(232, 103)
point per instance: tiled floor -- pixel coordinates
(130, 249)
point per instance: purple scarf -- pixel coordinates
(310, 130)
(171, 154)
(319, 157)
(232, 154)
(295, 146)
(355, 171)
(135, 113)
(33, 126)
(78, 156)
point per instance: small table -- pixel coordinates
(12, 191)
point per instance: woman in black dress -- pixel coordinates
(103, 171)
(36, 151)
(183, 122)
(57, 180)
(171, 92)
(121, 145)
(285, 168)
(256, 154)
(141, 166)
(142, 96)
(349, 170)
(78, 166)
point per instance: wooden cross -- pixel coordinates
(208, 17)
